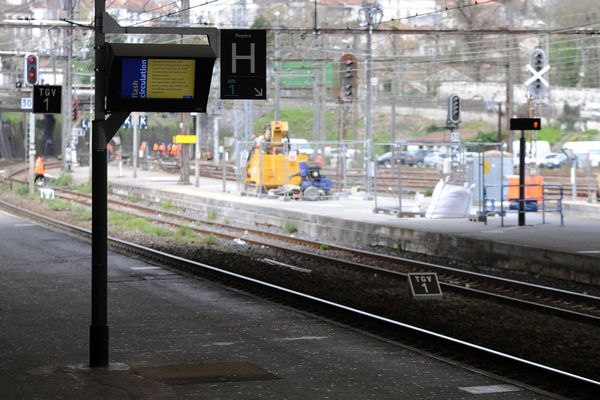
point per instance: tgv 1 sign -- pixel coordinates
(158, 77)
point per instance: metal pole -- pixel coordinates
(501, 185)
(522, 179)
(68, 92)
(197, 157)
(276, 73)
(31, 151)
(99, 327)
(91, 133)
(368, 156)
(396, 68)
(134, 155)
(509, 77)
(399, 162)
(216, 154)
(323, 95)
(574, 180)
(315, 89)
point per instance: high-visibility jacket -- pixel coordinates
(155, 147)
(40, 167)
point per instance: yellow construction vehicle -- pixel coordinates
(271, 163)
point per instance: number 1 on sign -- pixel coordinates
(425, 287)
(47, 103)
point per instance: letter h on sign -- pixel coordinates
(235, 57)
(243, 64)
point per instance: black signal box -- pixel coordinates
(525, 124)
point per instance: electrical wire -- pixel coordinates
(173, 13)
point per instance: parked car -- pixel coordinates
(553, 160)
(420, 156)
(435, 159)
(404, 157)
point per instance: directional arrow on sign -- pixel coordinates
(258, 92)
(537, 75)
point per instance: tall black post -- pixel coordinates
(99, 325)
(522, 179)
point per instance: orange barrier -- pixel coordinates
(534, 189)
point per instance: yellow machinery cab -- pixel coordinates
(276, 165)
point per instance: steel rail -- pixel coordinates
(466, 290)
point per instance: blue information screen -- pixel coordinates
(134, 78)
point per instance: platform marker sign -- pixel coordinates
(47, 99)
(424, 285)
(243, 64)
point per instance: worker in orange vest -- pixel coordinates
(39, 170)
(109, 150)
(162, 149)
(155, 149)
(319, 158)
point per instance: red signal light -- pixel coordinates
(31, 69)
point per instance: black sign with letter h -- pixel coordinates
(243, 64)
(47, 99)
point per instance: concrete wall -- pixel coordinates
(491, 256)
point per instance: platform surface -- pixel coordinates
(578, 235)
(177, 337)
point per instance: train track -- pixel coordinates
(574, 306)
(517, 368)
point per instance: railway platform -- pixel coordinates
(569, 252)
(177, 337)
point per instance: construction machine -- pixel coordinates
(274, 164)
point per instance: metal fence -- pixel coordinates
(409, 171)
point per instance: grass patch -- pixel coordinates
(64, 179)
(210, 240)
(212, 215)
(185, 233)
(324, 247)
(82, 213)
(551, 134)
(166, 204)
(84, 188)
(22, 190)
(133, 198)
(59, 204)
(87, 188)
(132, 223)
(290, 227)
(590, 134)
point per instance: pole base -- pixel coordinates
(98, 346)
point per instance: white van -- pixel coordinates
(302, 146)
(584, 149)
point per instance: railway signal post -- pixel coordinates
(523, 124)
